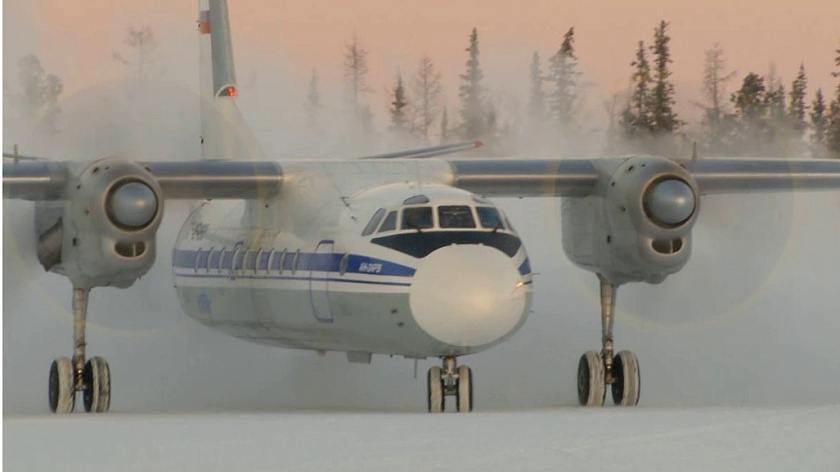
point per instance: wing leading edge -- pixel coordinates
(47, 180)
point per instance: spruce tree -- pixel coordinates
(751, 109)
(38, 105)
(427, 92)
(444, 127)
(536, 100)
(832, 134)
(313, 103)
(635, 120)
(661, 113)
(797, 108)
(355, 75)
(473, 108)
(399, 121)
(715, 110)
(563, 76)
(818, 124)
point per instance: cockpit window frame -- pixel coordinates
(374, 222)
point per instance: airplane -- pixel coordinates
(400, 254)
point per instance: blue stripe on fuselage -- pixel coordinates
(356, 264)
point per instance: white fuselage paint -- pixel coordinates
(296, 271)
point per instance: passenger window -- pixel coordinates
(417, 218)
(250, 260)
(374, 222)
(390, 222)
(490, 218)
(456, 216)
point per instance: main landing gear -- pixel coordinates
(92, 378)
(450, 381)
(596, 371)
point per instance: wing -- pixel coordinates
(194, 180)
(579, 177)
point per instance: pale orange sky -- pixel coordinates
(76, 40)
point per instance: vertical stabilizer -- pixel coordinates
(224, 133)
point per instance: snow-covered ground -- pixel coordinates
(642, 439)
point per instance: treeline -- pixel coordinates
(762, 117)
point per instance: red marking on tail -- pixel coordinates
(478, 144)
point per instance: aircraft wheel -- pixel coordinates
(627, 384)
(62, 386)
(437, 402)
(591, 383)
(97, 393)
(464, 392)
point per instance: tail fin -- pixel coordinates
(224, 133)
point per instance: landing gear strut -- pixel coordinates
(67, 377)
(451, 380)
(596, 371)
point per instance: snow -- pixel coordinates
(650, 439)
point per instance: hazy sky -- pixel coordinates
(77, 40)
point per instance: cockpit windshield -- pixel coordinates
(417, 218)
(490, 218)
(455, 216)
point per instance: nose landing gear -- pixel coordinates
(67, 377)
(596, 371)
(451, 380)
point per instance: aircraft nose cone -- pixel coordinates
(468, 295)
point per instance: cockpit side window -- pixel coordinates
(417, 218)
(374, 222)
(390, 222)
(490, 218)
(456, 216)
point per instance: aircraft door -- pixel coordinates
(320, 270)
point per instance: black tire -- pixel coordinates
(97, 393)
(464, 392)
(591, 383)
(436, 398)
(627, 385)
(61, 393)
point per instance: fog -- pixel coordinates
(751, 320)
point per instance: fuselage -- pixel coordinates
(368, 257)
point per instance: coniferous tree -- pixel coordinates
(832, 134)
(715, 116)
(398, 109)
(797, 109)
(819, 124)
(38, 105)
(141, 40)
(444, 127)
(536, 100)
(427, 92)
(473, 107)
(355, 75)
(313, 103)
(751, 109)
(635, 119)
(563, 77)
(661, 113)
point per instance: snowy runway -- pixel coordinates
(650, 439)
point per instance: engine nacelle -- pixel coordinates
(636, 225)
(103, 233)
